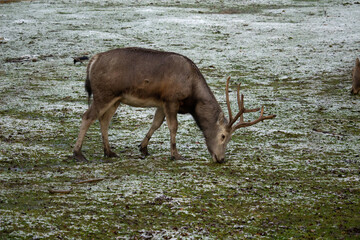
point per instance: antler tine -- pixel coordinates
(227, 99)
(261, 118)
(242, 109)
(240, 102)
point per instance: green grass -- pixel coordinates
(296, 176)
(273, 186)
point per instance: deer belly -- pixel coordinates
(140, 102)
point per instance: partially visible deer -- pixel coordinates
(168, 81)
(356, 78)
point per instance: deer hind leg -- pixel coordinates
(171, 119)
(88, 118)
(158, 120)
(104, 125)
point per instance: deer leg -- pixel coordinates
(88, 118)
(104, 125)
(171, 119)
(158, 120)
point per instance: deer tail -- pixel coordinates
(87, 81)
(88, 88)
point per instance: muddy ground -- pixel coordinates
(293, 176)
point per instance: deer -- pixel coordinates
(356, 78)
(167, 81)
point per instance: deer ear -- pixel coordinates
(221, 118)
(357, 62)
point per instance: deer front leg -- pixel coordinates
(171, 119)
(158, 120)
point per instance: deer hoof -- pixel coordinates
(110, 154)
(177, 157)
(144, 151)
(79, 157)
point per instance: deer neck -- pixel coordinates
(206, 115)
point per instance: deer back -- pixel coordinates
(144, 78)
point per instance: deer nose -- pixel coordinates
(217, 159)
(220, 160)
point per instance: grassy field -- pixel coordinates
(294, 177)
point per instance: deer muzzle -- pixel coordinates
(218, 159)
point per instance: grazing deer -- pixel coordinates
(168, 81)
(356, 78)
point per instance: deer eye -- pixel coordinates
(222, 137)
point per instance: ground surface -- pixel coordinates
(294, 176)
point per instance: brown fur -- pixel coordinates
(356, 78)
(140, 77)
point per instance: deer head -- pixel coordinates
(226, 127)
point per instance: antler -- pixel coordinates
(227, 99)
(242, 110)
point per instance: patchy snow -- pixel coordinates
(294, 57)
